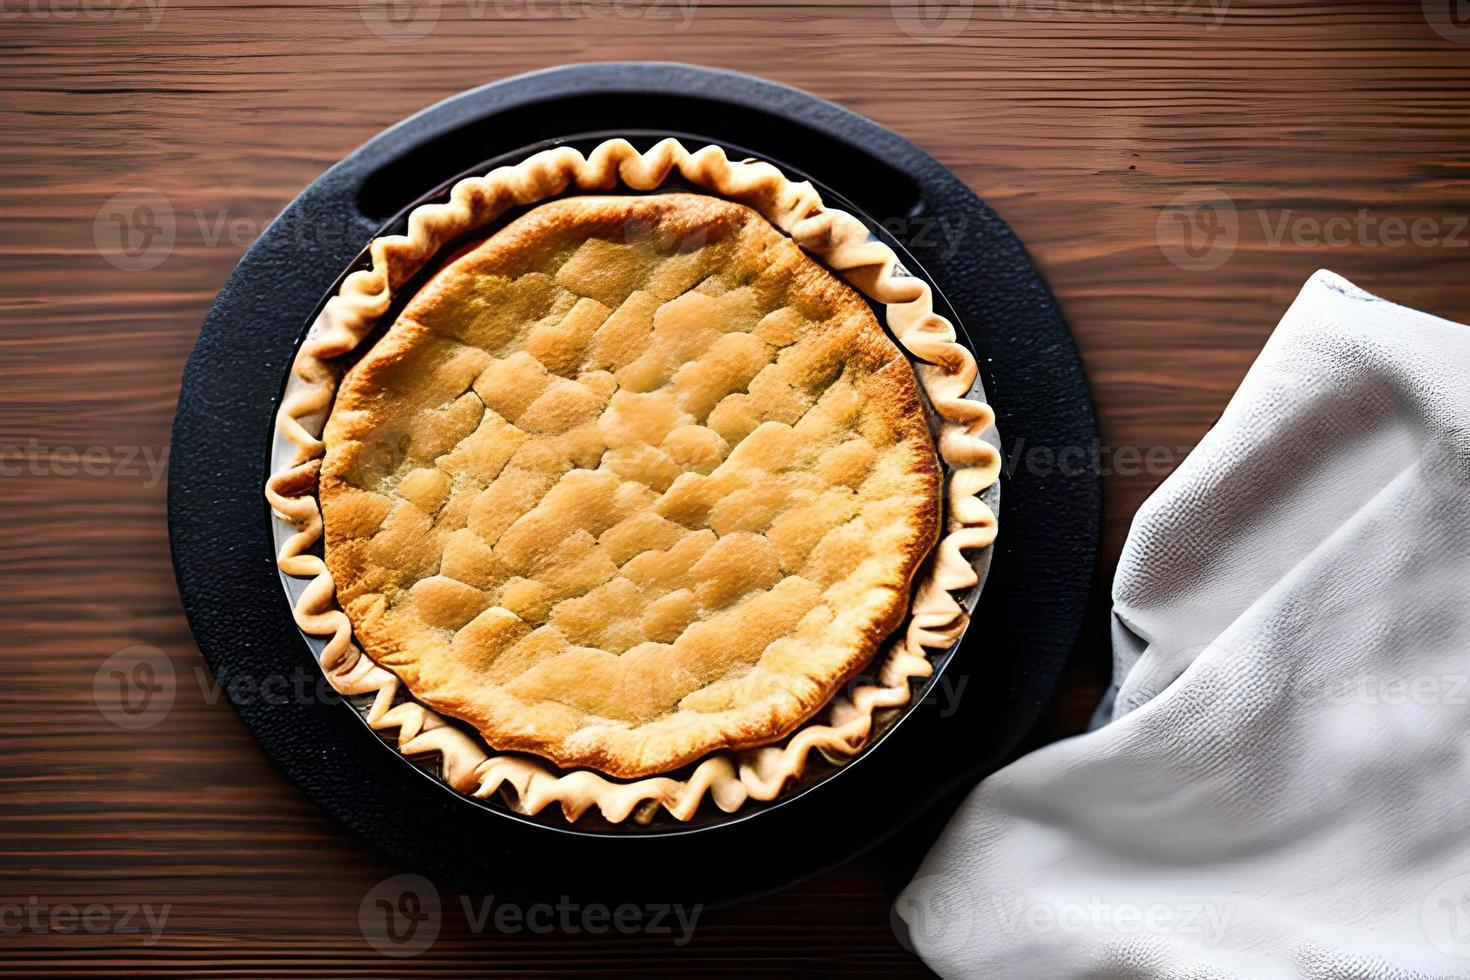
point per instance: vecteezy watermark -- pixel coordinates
(1205, 921)
(401, 917)
(134, 688)
(399, 20)
(1365, 228)
(150, 12)
(301, 685)
(134, 231)
(402, 20)
(1200, 230)
(934, 910)
(139, 229)
(946, 693)
(1096, 458)
(936, 21)
(138, 686)
(931, 21)
(1450, 19)
(941, 234)
(31, 458)
(40, 918)
(1211, 13)
(1390, 690)
(1446, 916)
(669, 920)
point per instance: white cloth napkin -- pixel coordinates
(1281, 786)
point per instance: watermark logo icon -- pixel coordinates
(1450, 19)
(400, 20)
(134, 688)
(932, 21)
(134, 231)
(1446, 917)
(934, 910)
(400, 916)
(1198, 230)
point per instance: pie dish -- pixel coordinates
(634, 485)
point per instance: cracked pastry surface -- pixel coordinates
(631, 480)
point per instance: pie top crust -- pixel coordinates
(946, 370)
(632, 480)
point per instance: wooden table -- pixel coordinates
(1327, 133)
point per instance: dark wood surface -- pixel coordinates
(1080, 123)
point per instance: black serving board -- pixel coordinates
(997, 682)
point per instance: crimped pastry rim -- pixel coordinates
(946, 371)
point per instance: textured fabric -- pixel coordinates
(1281, 783)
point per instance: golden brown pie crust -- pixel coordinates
(946, 372)
(633, 480)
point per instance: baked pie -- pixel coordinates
(633, 483)
(658, 485)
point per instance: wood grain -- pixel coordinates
(1080, 122)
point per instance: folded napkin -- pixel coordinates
(1280, 784)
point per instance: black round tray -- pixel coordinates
(999, 679)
